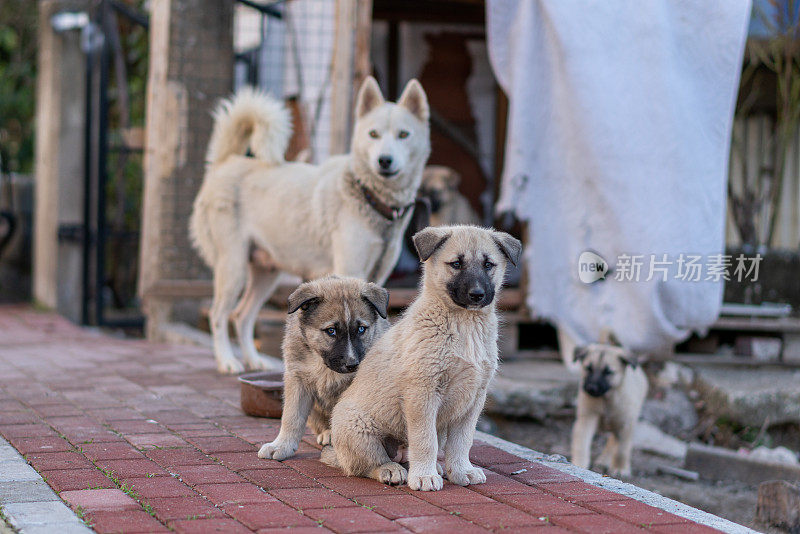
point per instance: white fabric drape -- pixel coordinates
(618, 141)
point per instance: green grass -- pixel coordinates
(81, 513)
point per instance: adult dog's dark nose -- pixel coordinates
(476, 295)
(385, 162)
(351, 368)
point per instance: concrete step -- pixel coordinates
(532, 388)
(751, 397)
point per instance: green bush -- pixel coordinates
(17, 84)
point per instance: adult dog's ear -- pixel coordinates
(415, 100)
(510, 246)
(427, 240)
(377, 297)
(579, 354)
(369, 97)
(304, 297)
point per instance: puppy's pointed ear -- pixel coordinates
(415, 100)
(631, 360)
(369, 97)
(453, 178)
(304, 297)
(579, 354)
(377, 297)
(608, 337)
(511, 247)
(428, 240)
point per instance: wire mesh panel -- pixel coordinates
(288, 51)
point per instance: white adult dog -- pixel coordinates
(255, 217)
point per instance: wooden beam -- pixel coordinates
(363, 37)
(779, 505)
(351, 64)
(59, 164)
(191, 65)
(342, 75)
(160, 140)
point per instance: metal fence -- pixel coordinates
(286, 48)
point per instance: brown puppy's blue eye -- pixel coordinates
(455, 265)
(374, 134)
(362, 329)
(331, 331)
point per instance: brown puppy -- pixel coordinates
(332, 323)
(448, 206)
(426, 378)
(613, 389)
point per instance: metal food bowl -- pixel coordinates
(262, 394)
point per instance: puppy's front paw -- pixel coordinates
(276, 450)
(428, 482)
(324, 438)
(390, 473)
(473, 475)
(230, 366)
(439, 469)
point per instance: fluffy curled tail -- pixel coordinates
(252, 120)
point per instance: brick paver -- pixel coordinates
(144, 437)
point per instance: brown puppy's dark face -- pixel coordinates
(603, 367)
(340, 319)
(439, 185)
(467, 263)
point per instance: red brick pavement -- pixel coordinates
(145, 437)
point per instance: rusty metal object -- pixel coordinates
(262, 394)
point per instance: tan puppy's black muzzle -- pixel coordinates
(597, 384)
(471, 288)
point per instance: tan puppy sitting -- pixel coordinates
(332, 323)
(426, 378)
(448, 206)
(613, 390)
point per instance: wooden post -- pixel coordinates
(363, 37)
(779, 505)
(191, 67)
(351, 64)
(60, 116)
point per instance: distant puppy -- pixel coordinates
(613, 389)
(338, 321)
(448, 206)
(426, 378)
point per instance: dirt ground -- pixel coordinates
(729, 500)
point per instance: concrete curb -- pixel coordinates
(28, 503)
(629, 490)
